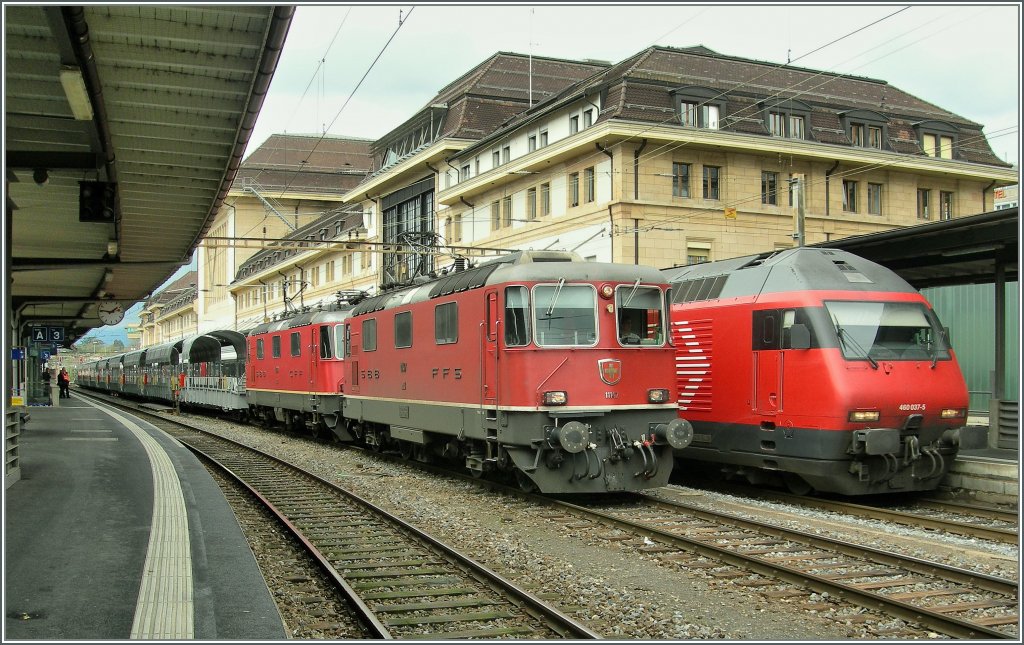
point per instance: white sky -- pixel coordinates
(963, 58)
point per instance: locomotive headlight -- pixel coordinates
(864, 416)
(953, 413)
(556, 398)
(657, 396)
(606, 291)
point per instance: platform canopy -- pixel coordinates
(966, 250)
(125, 126)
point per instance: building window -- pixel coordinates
(346, 264)
(777, 124)
(531, 203)
(531, 143)
(923, 198)
(495, 159)
(545, 199)
(457, 228)
(465, 173)
(506, 211)
(865, 127)
(588, 118)
(476, 164)
(769, 188)
(680, 179)
(875, 199)
(857, 134)
(796, 127)
(574, 189)
(945, 205)
(588, 185)
(875, 137)
(688, 114)
(495, 216)
(695, 254)
(935, 145)
(506, 154)
(711, 182)
(330, 271)
(849, 196)
(574, 124)
(543, 138)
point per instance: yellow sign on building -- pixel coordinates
(730, 213)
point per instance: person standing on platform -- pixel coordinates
(64, 382)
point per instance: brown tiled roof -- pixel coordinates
(638, 89)
(182, 288)
(305, 163)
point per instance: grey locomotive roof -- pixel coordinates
(523, 266)
(799, 269)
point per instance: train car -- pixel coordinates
(817, 369)
(162, 369)
(295, 372)
(521, 365)
(132, 365)
(214, 368)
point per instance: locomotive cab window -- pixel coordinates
(641, 315)
(887, 331)
(565, 315)
(517, 317)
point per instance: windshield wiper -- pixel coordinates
(636, 285)
(847, 340)
(554, 299)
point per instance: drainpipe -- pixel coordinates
(828, 173)
(985, 190)
(636, 170)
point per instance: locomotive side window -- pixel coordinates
(370, 335)
(641, 319)
(296, 343)
(565, 315)
(325, 342)
(403, 329)
(275, 347)
(517, 320)
(446, 323)
(340, 341)
(348, 342)
(259, 348)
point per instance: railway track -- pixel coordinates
(399, 581)
(983, 523)
(951, 601)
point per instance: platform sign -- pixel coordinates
(55, 334)
(17, 353)
(44, 355)
(40, 335)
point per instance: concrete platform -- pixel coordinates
(116, 531)
(990, 475)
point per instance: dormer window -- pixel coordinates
(937, 138)
(699, 107)
(786, 119)
(865, 128)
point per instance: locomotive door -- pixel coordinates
(768, 361)
(489, 351)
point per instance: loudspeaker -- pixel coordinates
(97, 201)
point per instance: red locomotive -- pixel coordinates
(818, 368)
(522, 365)
(538, 364)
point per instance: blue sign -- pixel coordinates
(17, 353)
(44, 355)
